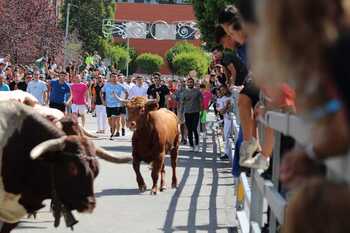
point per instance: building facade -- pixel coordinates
(154, 26)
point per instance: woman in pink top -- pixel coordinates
(79, 98)
(207, 96)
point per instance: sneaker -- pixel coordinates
(257, 162)
(193, 149)
(123, 132)
(247, 150)
(224, 157)
(117, 134)
(111, 137)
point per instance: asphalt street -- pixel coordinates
(203, 201)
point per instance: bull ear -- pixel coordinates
(46, 146)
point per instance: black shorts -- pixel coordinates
(252, 91)
(122, 110)
(116, 111)
(61, 107)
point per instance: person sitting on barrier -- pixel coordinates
(290, 27)
(232, 23)
(319, 207)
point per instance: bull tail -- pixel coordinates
(105, 155)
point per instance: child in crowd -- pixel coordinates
(225, 108)
(207, 96)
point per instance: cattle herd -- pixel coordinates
(47, 155)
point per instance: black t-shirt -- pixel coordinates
(12, 85)
(162, 92)
(22, 85)
(222, 79)
(98, 96)
(241, 69)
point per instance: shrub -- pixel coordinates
(182, 47)
(149, 63)
(185, 62)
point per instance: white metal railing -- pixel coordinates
(251, 209)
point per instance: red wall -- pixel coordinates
(150, 13)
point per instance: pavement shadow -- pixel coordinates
(117, 192)
(201, 163)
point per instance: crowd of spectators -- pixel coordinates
(261, 62)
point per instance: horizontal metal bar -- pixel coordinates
(289, 125)
(276, 202)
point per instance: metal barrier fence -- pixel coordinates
(254, 199)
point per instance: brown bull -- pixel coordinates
(156, 133)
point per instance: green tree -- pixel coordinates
(149, 63)
(207, 13)
(117, 53)
(86, 17)
(186, 62)
(182, 47)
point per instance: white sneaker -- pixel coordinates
(258, 162)
(247, 150)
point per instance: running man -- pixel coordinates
(159, 91)
(112, 92)
(139, 89)
(192, 105)
(79, 98)
(58, 89)
(38, 89)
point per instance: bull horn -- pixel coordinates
(105, 155)
(86, 133)
(56, 144)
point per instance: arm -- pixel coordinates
(70, 97)
(233, 73)
(87, 96)
(102, 97)
(46, 95)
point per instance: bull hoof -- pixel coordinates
(143, 188)
(163, 188)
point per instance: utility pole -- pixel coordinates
(66, 35)
(127, 59)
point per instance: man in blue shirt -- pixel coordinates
(110, 95)
(58, 90)
(3, 85)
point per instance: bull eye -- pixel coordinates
(72, 169)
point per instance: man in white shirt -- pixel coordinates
(139, 89)
(128, 83)
(38, 89)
